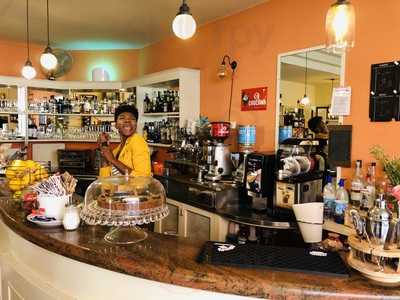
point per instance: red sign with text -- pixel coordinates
(254, 99)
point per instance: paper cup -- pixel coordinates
(310, 217)
(54, 206)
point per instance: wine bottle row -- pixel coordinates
(161, 102)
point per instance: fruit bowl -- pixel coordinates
(22, 173)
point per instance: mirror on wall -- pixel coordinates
(312, 73)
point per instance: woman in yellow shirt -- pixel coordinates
(132, 155)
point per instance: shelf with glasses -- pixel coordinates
(67, 141)
(10, 112)
(162, 114)
(12, 141)
(159, 145)
(72, 114)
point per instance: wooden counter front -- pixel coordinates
(168, 265)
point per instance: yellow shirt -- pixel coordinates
(135, 154)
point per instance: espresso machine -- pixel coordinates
(218, 161)
(259, 180)
(300, 175)
(218, 156)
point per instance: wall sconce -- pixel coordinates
(223, 71)
(340, 26)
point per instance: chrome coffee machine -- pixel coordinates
(301, 169)
(218, 161)
(260, 180)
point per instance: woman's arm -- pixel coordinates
(109, 156)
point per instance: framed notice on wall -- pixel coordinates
(254, 99)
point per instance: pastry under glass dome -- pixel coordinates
(124, 202)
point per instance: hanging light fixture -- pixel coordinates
(340, 26)
(48, 60)
(305, 100)
(184, 25)
(28, 71)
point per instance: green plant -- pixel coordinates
(391, 165)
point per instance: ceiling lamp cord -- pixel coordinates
(48, 60)
(28, 71)
(305, 100)
(27, 28)
(48, 26)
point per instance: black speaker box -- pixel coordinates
(383, 108)
(339, 146)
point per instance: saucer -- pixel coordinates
(43, 220)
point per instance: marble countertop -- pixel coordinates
(170, 259)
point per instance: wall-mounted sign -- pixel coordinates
(341, 100)
(254, 99)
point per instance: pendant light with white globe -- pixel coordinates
(184, 25)
(28, 71)
(48, 60)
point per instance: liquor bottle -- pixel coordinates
(370, 187)
(32, 129)
(357, 185)
(341, 203)
(176, 102)
(329, 195)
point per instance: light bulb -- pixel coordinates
(184, 26)
(222, 71)
(340, 26)
(48, 60)
(28, 71)
(305, 100)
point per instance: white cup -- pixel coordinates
(54, 206)
(310, 217)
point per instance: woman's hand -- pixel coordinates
(103, 139)
(107, 154)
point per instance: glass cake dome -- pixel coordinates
(124, 202)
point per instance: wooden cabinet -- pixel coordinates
(191, 222)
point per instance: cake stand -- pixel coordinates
(123, 223)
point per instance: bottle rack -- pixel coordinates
(374, 262)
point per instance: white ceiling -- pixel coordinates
(105, 24)
(322, 67)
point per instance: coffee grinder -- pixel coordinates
(218, 154)
(260, 180)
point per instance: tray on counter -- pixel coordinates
(289, 259)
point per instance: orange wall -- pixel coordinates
(123, 63)
(254, 38)
(257, 36)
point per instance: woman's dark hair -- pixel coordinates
(314, 124)
(126, 108)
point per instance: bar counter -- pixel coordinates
(166, 262)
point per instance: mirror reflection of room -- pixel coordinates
(306, 84)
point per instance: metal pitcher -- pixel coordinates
(378, 226)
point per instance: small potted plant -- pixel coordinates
(391, 167)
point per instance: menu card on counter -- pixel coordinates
(341, 100)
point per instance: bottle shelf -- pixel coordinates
(10, 112)
(67, 141)
(73, 114)
(161, 114)
(159, 145)
(12, 141)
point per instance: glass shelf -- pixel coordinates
(161, 114)
(73, 114)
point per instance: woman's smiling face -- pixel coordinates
(126, 124)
